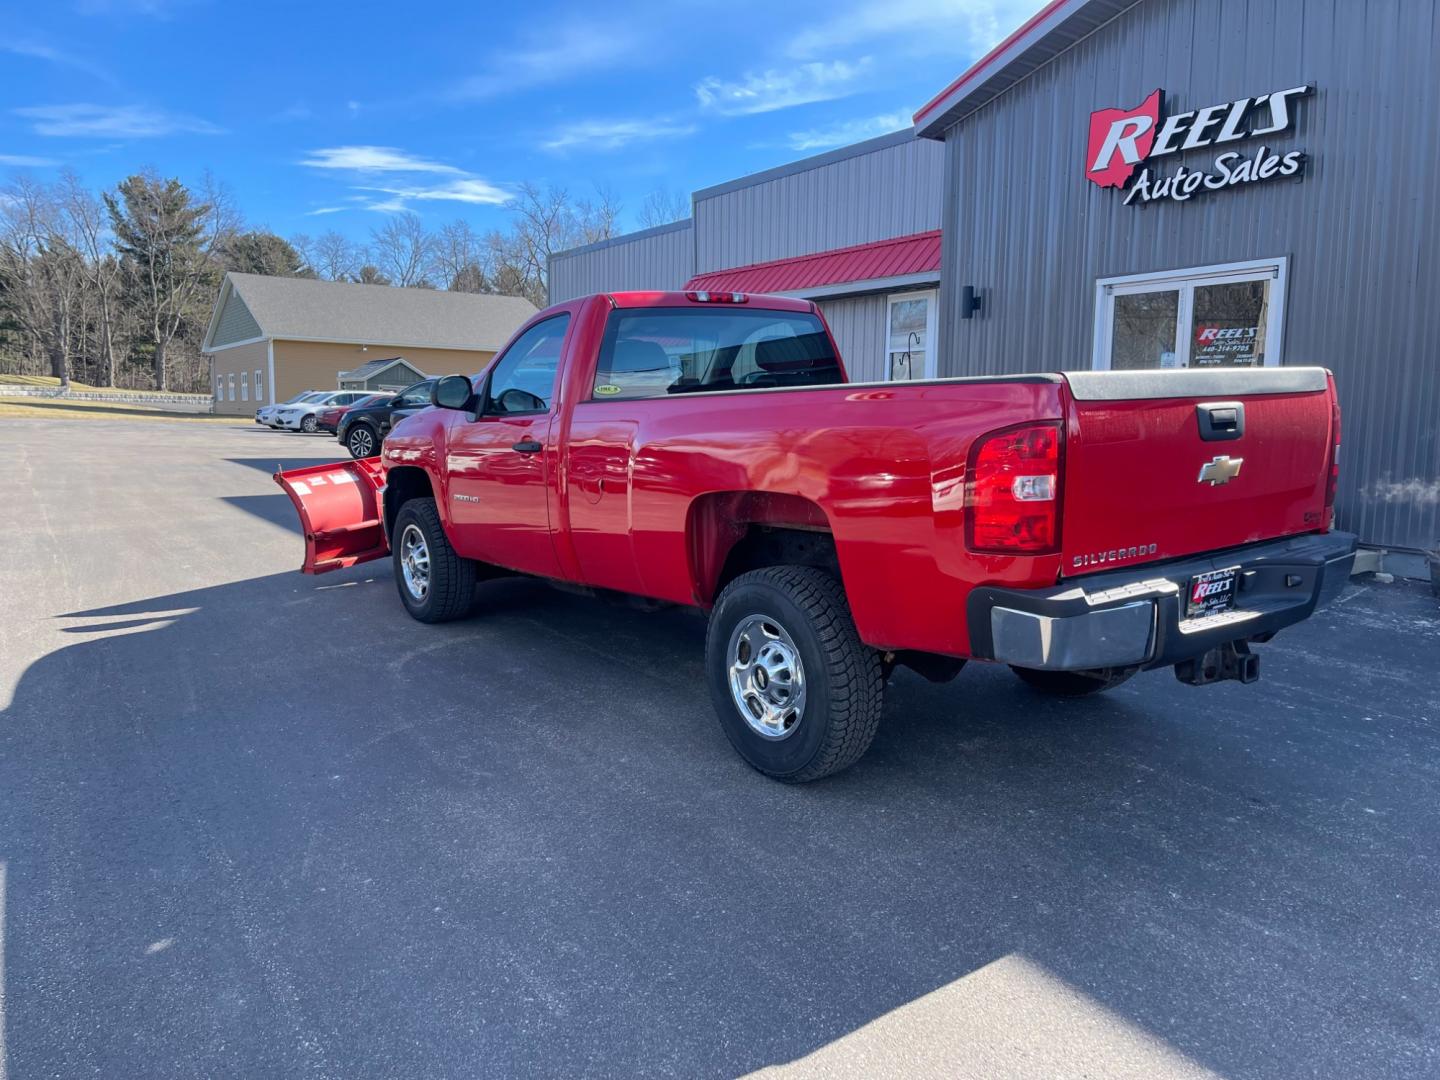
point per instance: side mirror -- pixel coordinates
(451, 392)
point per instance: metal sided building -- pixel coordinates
(1130, 184)
(1173, 183)
(855, 229)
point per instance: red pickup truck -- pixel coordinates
(706, 449)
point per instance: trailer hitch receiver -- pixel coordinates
(1233, 660)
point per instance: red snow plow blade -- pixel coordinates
(340, 511)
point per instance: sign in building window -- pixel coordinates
(1211, 316)
(910, 336)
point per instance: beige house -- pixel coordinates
(271, 338)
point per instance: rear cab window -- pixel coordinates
(655, 352)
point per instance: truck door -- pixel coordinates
(499, 462)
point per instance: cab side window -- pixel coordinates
(523, 379)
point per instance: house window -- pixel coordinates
(230, 382)
(910, 341)
(244, 386)
(1230, 315)
(219, 388)
(259, 387)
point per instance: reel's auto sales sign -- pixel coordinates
(1125, 143)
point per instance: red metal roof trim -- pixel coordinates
(901, 256)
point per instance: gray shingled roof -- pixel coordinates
(308, 310)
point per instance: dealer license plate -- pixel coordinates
(1212, 592)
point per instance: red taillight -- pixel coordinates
(1012, 491)
(1332, 480)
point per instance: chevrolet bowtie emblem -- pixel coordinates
(1219, 470)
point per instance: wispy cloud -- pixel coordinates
(468, 190)
(614, 134)
(39, 50)
(368, 163)
(558, 54)
(112, 121)
(326, 210)
(25, 161)
(374, 159)
(767, 91)
(850, 131)
(962, 28)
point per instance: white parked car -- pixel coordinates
(300, 415)
(266, 413)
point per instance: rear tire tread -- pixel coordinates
(856, 680)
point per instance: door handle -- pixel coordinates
(527, 446)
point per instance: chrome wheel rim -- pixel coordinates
(308, 424)
(362, 443)
(415, 562)
(767, 677)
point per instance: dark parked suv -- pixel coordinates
(362, 429)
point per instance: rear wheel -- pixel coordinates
(435, 584)
(798, 694)
(1074, 683)
(361, 441)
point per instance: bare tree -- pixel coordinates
(89, 226)
(42, 273)
(402, 250)
(662, 207)
(332, 256)
(546, 220)
(462, 258)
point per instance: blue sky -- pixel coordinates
(322, 115)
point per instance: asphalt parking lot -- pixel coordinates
(258, 824)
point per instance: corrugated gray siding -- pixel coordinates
(236, 323)
(661, 258)
(1362, 230)
(858, 323)
(893, 191)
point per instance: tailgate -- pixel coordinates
(340, 512)
(1155, 467)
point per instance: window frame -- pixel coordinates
(932, 340)
(486, 402)
(230, 385)
(245, 385)
(259, 387)
(1185, 281)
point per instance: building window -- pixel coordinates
(1207, 316)
(219, 388)
(259, 387)
(244, 386)
(230, 381)
(910, 341)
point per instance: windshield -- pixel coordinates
(651, 352)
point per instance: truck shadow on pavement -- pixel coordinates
(276, 828)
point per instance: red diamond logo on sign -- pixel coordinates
(1119, 140)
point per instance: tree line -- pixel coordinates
(115, 288)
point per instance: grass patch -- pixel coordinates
(50, 409)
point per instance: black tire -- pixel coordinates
(450, 580)
(309, 424)
(844, 685)
(362, 441)
(1073, 684)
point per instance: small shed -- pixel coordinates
(396, 373)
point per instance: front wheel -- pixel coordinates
(309, 424)
(1073, 683)
(798, 694)
(361, 441)
(435, 584)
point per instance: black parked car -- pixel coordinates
(362, 428)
